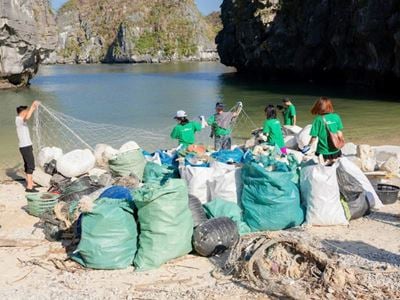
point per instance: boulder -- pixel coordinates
(367, 156)
(383, 153)
(41, 178)
(349, 149)
(28, 35)
(392, 166)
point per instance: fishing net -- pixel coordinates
(56, 129)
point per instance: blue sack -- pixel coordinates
(117, 192)
(167, 159)
(229, 156)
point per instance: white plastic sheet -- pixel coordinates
(320, 194)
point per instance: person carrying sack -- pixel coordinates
(220, 124)
(328, 128)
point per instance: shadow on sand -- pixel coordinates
(363, 250)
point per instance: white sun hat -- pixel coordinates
(180, 114)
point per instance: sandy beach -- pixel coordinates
(36, 268)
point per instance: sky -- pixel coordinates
(205, 6)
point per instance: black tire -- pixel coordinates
(198, 213)
(215, 236)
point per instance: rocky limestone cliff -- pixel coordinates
(354, 41)
(123, 31)
(27, 36)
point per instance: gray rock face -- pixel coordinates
(123, 31)
(27, 36)
(351, 41)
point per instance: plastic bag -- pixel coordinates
(347, 166)
(166, 224)
(127, 163)
(304, 138)
(320, 193)
(109, 236)
(47, 154)
(76, 163)
(270, 200)
(215, 236)
(221, 208)
(358, 200)
(231, 156)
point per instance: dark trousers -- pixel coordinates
(29, 160)
(223, 142)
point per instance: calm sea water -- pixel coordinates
(147, 96)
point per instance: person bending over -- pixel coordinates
(272, 129)
(25, 143)
(326, 119)
(185, 130)
(220, 124)
(289, 113)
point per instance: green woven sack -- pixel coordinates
(270, 200)
(166, 224)
(157, 174)
(109, 236)
(222, 208)
(127, 163)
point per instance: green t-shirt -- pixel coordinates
(219, 131)
(185, 133)
(273, 128)
(288, 115)
(319, 130)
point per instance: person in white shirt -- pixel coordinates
(25, 143)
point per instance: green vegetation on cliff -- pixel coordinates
(121, 30)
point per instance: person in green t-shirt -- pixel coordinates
(220, 123)
(185, 131)
(325, 117)
(289, 113)
(273, 129)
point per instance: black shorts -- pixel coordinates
(29, 160)
(330, 156)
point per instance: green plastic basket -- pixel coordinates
(40, 203)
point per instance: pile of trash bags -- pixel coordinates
(130, 207)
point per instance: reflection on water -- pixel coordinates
(147, 96)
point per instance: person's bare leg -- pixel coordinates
(29, 181)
